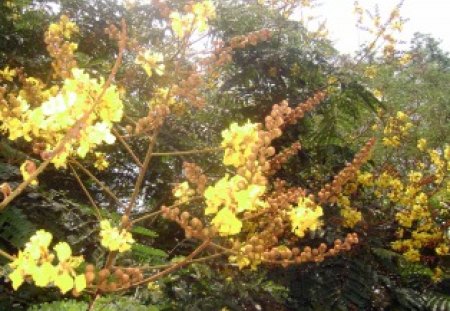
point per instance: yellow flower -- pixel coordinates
(7, 74)
(64, 282)
(113, 239)
(378, 94)
(351, 217)
(238, 142)
(63, 251)
(151, 62)
(100, 161)
(80, 283)
(305, 217)
(226, 222)
(405, 59)
(27, 169)
(370, 72)
(35, 263)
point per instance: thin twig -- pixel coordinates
(155, 267)
(127, 147)
(96, 180)
(206, 150)
(6, 255)
(156, 213)
(170, 269)
(142, 172)
(86, 192)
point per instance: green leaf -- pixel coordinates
(147, 251)
(144, 231)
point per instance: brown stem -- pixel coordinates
(86, 192)
(206, 150)
(176, 266)
(127, 148)
(95, 179)
(142, 172)
(192, 261)
(152, 214)
(6, 255)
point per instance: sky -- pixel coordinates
(426, 16)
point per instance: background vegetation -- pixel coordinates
(293, 63)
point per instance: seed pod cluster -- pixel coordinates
(188, 89)
(193, 226)
(282, 157)
(222, 51)
(329, 193)
(251, 38)
(308, 105)
(286, 256)
(277, 118)
(153, 120)
(109, 280)
(195, 176)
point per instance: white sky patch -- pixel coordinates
(430, 16)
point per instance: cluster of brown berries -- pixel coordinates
(153, 120)
(276, 120)
(306, 106)
(329, 193)
(110, 280)
(285, 256)
(194, 174)
(189, 89)
(252, 38)
(222, 52)
(193, 226)
(282, 157)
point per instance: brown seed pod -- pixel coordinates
(90, 276)
(125, 278)
(103, 274)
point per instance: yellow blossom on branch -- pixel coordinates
(115, 239)
(306, 216)
(35, 263)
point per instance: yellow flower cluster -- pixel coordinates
(26, 169)
(100, 161)
(162, 96)
(183, 192)
(35, 263)
(231, 196)
(56, 116)
(420, 227)
(115, 239)
(196, 17)
(60, 49)
(305, 216)
(414, 214)
(7, 74)
(440, 165)
(64, 28)
(239, 142)
(350, 215)
(397, 129)
(151, 62)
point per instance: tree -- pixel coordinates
(247, 211)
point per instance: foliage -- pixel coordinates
(324, 164)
